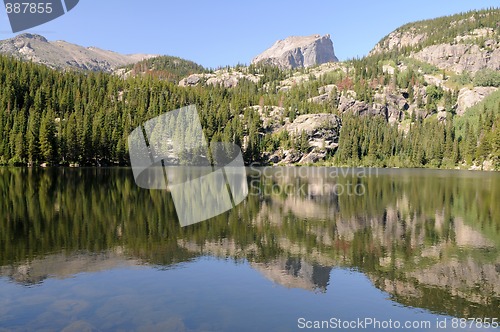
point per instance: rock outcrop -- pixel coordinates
(62, 55)
(223, 77)
(462, 57)
(470, 51)
(322, 133)
(321, 129)
(399, 39)
(470, 97)
(296, 52)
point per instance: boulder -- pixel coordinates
(312, 157)
(272, 117)
(291, 157)
(348, 104)
(320, 128)
(470, 97)
(319, 99)
(191, 80)
(442, 115)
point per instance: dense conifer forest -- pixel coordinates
(84, 118)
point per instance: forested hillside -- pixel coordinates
(388, 109)
(418, 35)
(168, 68)
(62, 118)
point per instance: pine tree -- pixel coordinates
(484, 148)
(16, 139)
(303, 142)
(33, 136)
(495, 144)
(48, 139)
(470, 145)
(71, 136)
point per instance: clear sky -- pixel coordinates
(218, 33)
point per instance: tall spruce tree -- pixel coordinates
(48, 139)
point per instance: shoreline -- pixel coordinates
(291, 166)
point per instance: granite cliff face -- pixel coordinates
(62, 55)
(297, 52)
(467, 47)
(463, 57)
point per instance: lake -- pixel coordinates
(369, 249)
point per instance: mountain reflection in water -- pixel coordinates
(430, 239)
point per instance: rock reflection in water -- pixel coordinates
(428, 238)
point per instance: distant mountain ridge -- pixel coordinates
(63, 55)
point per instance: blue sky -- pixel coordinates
(218, 33)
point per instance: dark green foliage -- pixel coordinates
(48, 139)
(302, 144)
(434, 94)
(473, 116)
(487, 77)
(85, 118)
(168, 68)
(461, 79)
(372, 142)
(63, 118)
(269, 73)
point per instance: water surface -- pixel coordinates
(86, 249)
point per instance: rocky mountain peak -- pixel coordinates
(31, 36)
(299, 51)
(63, 55)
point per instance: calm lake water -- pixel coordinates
(87, 250)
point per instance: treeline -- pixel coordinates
(371, 142)
(467, 141)
(67, 118)
(85, 118)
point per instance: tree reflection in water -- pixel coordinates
(431, 239)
